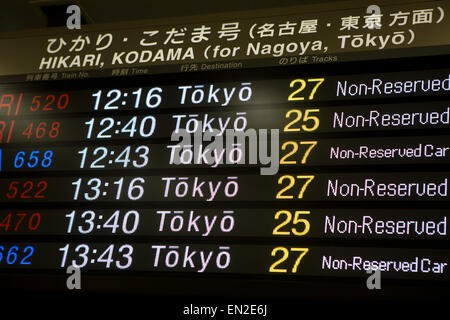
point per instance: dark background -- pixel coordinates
(317, 297)
(27, 14)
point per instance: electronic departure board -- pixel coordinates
(295, 173)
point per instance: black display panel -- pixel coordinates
(244, 183)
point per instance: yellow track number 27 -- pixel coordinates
(289, 182)
(284, 262)
(299, 85)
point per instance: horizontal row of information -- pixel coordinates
(223, 258)
(308, 120)
(300, 222)
(223, 94)
(251, 151)
(211, 188)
